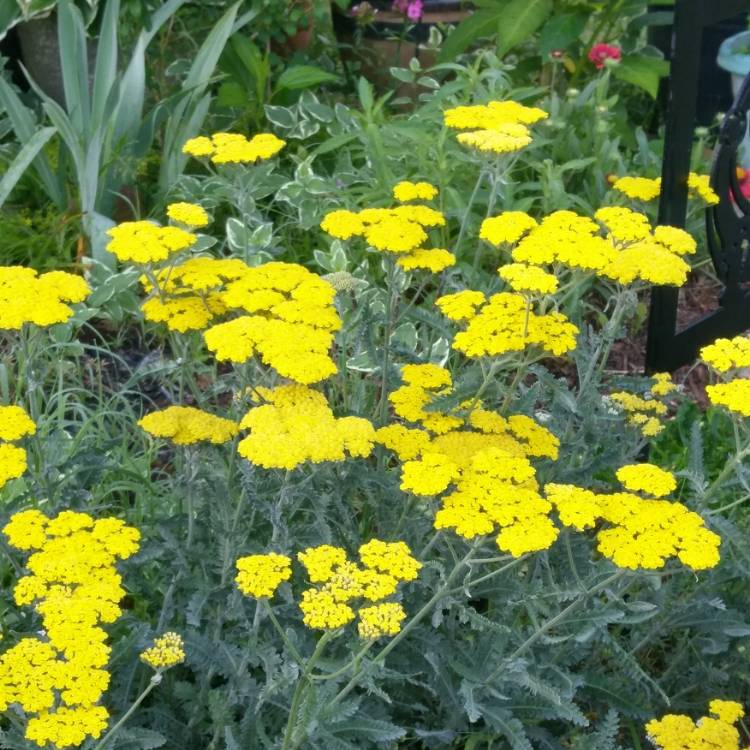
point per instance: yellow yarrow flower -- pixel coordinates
(186, 425)
(380, 620)
(74, 586)
(393, 558)
(428, 259)
(528, 279)
(640, 188)
(406, 191)
(505, 139)
(729, 711)
(259, 576)
(675, 239)
(460, 305)
(15, 423)
(40, 299)
(677, 731)
(12, 462)
(505, 324)
(734, 396)
(189, 214)
(624, 224)
(507, 227)
(647, 478)
(297, 425)
(727, 354)
(143, 242)
(168, 650)
(700, 185)
(663, 384)
(234, 148)
(647, 261)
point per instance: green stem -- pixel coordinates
(290, 646)
(467, 214)
(155, 680)
(556, 620)
(289, 742)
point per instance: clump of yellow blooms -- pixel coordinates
(286, 313)
(640, 188)
(295, 425)
(528, 279)
(482, 454)
(700, 185)
(505, 323)
(260, 575)
(15, 424)
(507, 227)
(642, 413)
(144, 242)
(727, 354)
(186, 425)
(734, 395)
(498, 127)
(648, 479)
(234, 148)
(342, 582)
(168, 650)
(641, 533)
(287, 319)
(713, 732)
(663, 384)
(189, 214)
(74, 586)
(620, 245)
(400, 230)
(40, 299)
(406, 191)
(647, 188)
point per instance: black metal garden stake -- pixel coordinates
(728, 223)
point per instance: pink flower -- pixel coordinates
(412, 9)
(599, 53)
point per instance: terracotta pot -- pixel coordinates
(391, 41)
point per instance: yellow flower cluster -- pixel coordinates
(168, 650)
(144, 242)
(74, 585)
(289, 321)
(507, 227)
(714, 732)
(642, 533)
(528, 279)
(399, 230)
(628, 251)
(259, 576)
(727, 354)
(481, 453)
(505, 323)
(15, 424)
(499, 489)
(43, 300)
(648, 479)
(406, 191)
(641, 412)
(639, 188)
(186, 425)
(700, 185)
(663, 384)
(734, 395)
(189, 214)
(330, 605)
(497, 127)
(295, 425)
(234, 148)
(647, 188)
